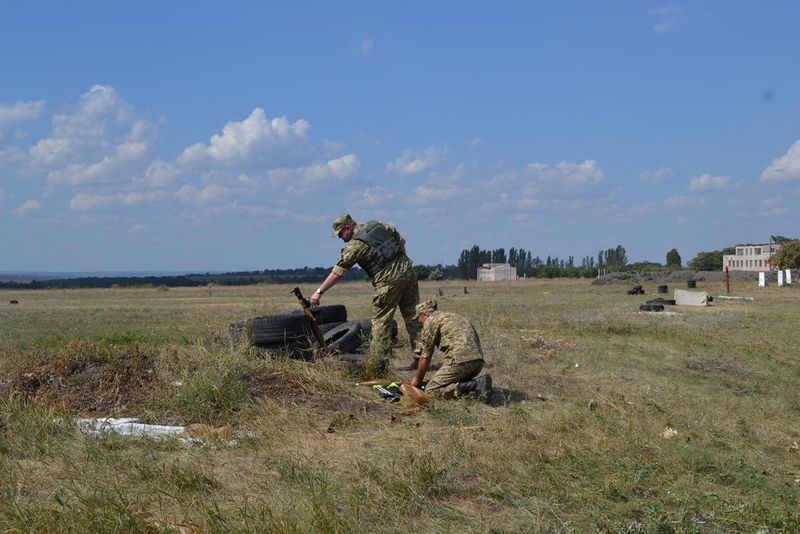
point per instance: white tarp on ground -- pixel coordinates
(127, 426)
(690, 298)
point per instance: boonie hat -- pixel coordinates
(340, 222)
(428, 306)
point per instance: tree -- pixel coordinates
(436, 274)
(709, 261)
(780, 239)
(673, 258)
(788, 256)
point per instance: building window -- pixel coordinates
(740, 252)
(757, 250)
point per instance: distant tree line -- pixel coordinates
(303, 275)
(528, 265)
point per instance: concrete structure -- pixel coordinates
(751, 257)
(492, 272)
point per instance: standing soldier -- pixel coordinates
(463, 356)
(380, 250)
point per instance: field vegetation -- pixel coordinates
(576, 438)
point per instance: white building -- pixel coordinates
(751, 257)
(493, 272)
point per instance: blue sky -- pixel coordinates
(192, 136)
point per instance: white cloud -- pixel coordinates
(252, 142)
(84, 131)
(158, 174)
(29, 206)
(474, 143)
(668, 16)
(20, 112)
(786, 167)
(113, 167)
(660, 175)
(683, 201)
(425, 194)
(98, 141)
(568, 175)
(706, 182)
(86, 202)
(372, 196)
(767, 207)
(367, 47)
(300, 179)
(209, 194)
(414, 162)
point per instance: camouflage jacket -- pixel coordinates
(454, 335)
(356, 251)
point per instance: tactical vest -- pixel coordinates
(382, 245)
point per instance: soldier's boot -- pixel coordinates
(479, 387)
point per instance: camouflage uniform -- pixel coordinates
(463, 356)
(395, 287)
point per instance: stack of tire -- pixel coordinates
(292, 335)
(636, 290)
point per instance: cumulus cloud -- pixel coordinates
(158, 174)
(567, 175)
(706, 182)
(660, 175)
(29, 206)
(784, 168)
(255, 141)
(113, 167)
(86, 202)
(427, 194)
(668, 16)
(20, 112)
(373, 196)
(414, 162)
(83, 131)
(209, 194)
(99, 141)
(767, 207)
(337, 170)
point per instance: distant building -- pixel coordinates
(751, 257)
(493, 272)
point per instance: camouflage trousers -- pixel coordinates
(403, 294)
(444, 383)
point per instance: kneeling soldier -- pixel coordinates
(463, 357)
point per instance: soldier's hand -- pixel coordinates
(314, 300)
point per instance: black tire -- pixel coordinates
(367, 327)
(651, 307)
(336, 313)
(324, 328)
(663, 289)
(278, 330)
(663, 302)
(344, 338)
(691, 284)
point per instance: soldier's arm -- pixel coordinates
(422, 368)
(349, 256)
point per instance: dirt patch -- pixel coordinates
(297, 389)
(88, 378)
(548, 347)
(722, 366)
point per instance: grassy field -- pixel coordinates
(574, 442)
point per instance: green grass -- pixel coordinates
(574, 444)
